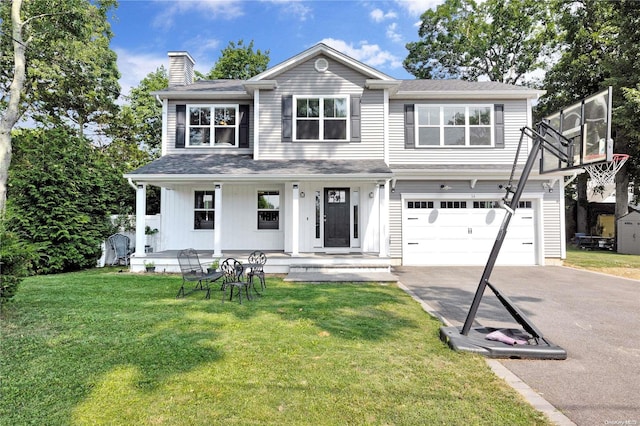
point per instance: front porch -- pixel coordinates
(304, 267)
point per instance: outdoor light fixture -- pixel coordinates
(302, 194)
(371, 194)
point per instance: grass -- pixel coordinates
(101, 347)
(624, 265)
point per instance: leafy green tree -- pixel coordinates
(498, 39)
(600, 47)
(56, 63)
(61, 187)
(136, 134)
(141, 119)
(239, 62)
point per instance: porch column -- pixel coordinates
(141, 210)
(217, 220)
(384, 221)
(295, 220)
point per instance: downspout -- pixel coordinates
(133, 185)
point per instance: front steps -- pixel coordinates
(340, 273)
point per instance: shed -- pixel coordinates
(629, 233)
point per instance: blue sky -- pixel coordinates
(372, 31)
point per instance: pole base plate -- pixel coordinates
(476, 342)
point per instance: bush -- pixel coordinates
(16, 258)
(61, 189)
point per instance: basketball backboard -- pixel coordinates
(578, 135)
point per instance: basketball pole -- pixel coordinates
(510, 206)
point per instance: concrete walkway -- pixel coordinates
(594, 317)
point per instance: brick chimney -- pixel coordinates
(180, 68)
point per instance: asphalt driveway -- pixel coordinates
(594, 317)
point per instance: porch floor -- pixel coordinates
(306, 267)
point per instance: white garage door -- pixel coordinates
(463, 233)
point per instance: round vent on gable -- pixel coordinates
(321, 65)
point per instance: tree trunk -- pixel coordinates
(10, 116)
(582, 224)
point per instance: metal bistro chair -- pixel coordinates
(120, 244)
(233, 273)
(256, 261)
(192, 270)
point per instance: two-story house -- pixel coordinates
(324, 159)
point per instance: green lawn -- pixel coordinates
(102, 347)
(600, 259)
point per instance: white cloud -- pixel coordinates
(370, 54)
(134, 67)
(418, 7)
(393, 34)
(296, 8)
(378, 15)
(227, 9)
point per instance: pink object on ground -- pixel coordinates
(501, 337)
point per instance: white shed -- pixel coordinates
(629, 233)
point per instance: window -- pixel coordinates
(454, 125)
(419, 204)
(212, 125)
(268, 209)
(453, 204)
(321, 118)
(203, 210)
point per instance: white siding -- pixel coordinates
(553, 232)
(305, 80)
(515, 117)
(239, 220)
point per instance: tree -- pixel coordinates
(600, 47)
(239, 62)
(497, 39)
(57, 63)
(60, 197)
(136, 135)
(142, 117)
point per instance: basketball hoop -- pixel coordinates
(605, 173)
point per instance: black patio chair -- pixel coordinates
(192, 271)
(255, 268)
(233, 279)
(120, 244)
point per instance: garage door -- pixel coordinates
(463, 232)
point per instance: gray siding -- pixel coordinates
(337, 80)
(515, 117)
(171, 130)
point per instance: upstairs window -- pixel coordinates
(321, 118)
(212, 125)
(454, 125)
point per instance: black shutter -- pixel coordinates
(355, 119)
(409, 129)
(181, 119)
(287, 114)
(498, 129)
(244, 127)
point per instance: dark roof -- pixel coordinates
(209, 86)
(230, 165)
(461, 85)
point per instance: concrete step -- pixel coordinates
(338, 268)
